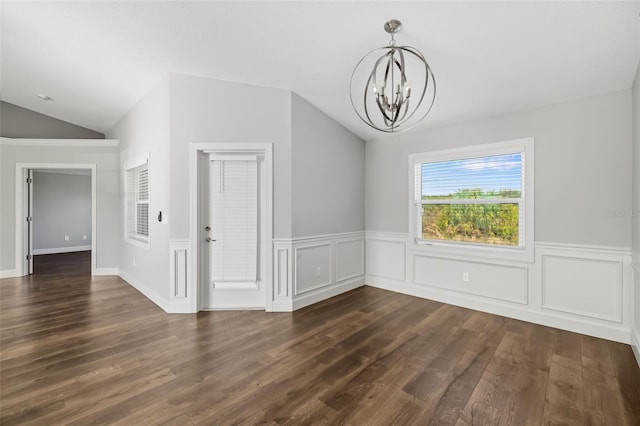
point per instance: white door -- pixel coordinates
(234, 236)
(29, 219)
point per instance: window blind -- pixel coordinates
(138, 203)
(479, 200)
(234, 221)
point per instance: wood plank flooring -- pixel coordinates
(76, 349)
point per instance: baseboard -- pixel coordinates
(614, 332)
(177, 307)
(282, 306)
(146, 291)
(635, 343)
(326, 292)
(9, 273)
(106, 271)
(57, 250)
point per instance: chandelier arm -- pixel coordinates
(383, 110)
(368, 121)
(387, 104)
(428, 71)
(384, 82)
(366, 109)
(406, 109)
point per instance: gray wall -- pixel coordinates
(328, 173)
(145, 130)
(582, 174)
(107, 197)
(18, 122)
(61, 207)
(181, 110)
(206, 110)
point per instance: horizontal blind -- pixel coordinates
(499, 176)
(142, 219)
(489, 180)
(234, 221)
(138, 203)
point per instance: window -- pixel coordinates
(137, 205)
(476, 198)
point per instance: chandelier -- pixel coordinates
(380, 89)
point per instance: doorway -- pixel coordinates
(27, 247)
(61, 221)
(234, 223)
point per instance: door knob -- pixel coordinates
(207, 228)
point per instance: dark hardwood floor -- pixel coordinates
(75, 263)
(77, 349)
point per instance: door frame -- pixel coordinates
(21, 210)
(194, 293)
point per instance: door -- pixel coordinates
(29, 219)
(234, 232)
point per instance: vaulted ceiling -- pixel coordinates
(98, 59)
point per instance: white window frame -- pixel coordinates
(524, 252)
(137, 240)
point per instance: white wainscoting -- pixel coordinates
(635, 323)
(386, 256)
(313, 266)
(9, 273)
(585, 289)
(308, 270)
(566, 280)
(145, 290)
(500, 282)
(106, 271)
(179, 276)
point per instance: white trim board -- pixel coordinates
(314, 238)
(60, 142)
(325, 293)
(9, 273)
(146, 291)
(106, 271)
(56, 250)
(635, 344)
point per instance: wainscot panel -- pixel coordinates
(386, 257)
(311, 269)
(585, 289)
(482, 279)
(588, 287)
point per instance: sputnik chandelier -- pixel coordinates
(381, 93)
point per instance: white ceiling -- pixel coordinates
(98, 59)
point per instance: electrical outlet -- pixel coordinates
(318, 271)
(84, 237)
(465, 277)
(66, 238)
(134, 261)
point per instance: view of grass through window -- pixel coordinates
(472, 200)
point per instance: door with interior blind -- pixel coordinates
(234, 236)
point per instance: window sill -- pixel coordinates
(137, 243)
